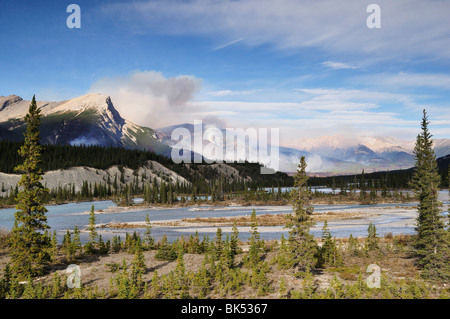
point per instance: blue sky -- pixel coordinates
(310, 68)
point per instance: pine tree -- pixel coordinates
(353, 246)
(372, 240)
(432, 244)
(138, 266)
(329, 252)
(54, 247)
(29, 244)
(166, 251)
(76, 240)
(254, 251)
(302, 245)
(149, 242)
(234, 245)
(90, 245)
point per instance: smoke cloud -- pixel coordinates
(148, 98)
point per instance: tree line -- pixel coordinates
(396, 179)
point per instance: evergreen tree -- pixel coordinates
(76, 240)
(254, 250)
(302, 245)
(148, 239)
(166, 251)
(234, 245)
(432, 244)
(138, 266)
(329, 252)
(29, 244)
(353, 245)
(372, 240)
(90, 245)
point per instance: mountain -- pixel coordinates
(288, 156)
(90, 120)
(373, 153)
(325, 155)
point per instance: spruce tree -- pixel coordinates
(372, 240)
(149, 241)
(302, 245)
(254, 252)
(89, 247)
(29, 243)
(234, 245)
(432, 243)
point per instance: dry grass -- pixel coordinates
(263, 220)
(118, 225)
(267, 219)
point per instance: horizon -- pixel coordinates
(306, 68)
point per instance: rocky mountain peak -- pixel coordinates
(6, 101)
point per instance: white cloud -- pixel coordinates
(413, 80)
(324, 111)
(148, 98)
(338, 65)
(409, 28)
(221, 93)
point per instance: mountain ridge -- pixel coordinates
(90, 119)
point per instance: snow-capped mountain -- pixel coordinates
(90, 119)
(326, 154)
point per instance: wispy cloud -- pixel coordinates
(409, 79)
(222, 93)
(410, 28)
(338, 65)
(321, 111)
(228, 44)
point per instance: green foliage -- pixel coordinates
(166, 251)
(233, 246)
(29, 244)
(372, 240)
(302, 245)
(353, 246)
(92, 228)
(329, 253)
(433, 243)
(149, 242)
(254, 251)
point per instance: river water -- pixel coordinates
(388, 218)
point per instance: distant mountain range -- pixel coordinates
(369, 153)
(93, 120)
(329, 155)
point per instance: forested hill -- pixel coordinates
(56, 157)
(389, 179)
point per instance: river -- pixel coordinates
(388, 218)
